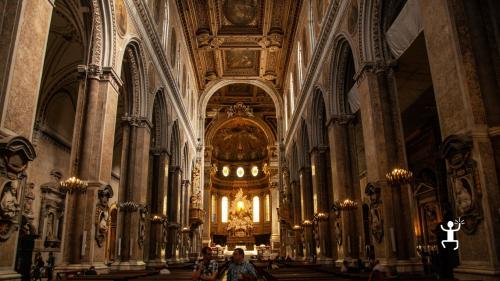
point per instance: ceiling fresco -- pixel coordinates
(239, 38)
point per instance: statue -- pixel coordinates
(240, 222)
(102, 214)
(376, 219)
(9, 206)
(195, 199)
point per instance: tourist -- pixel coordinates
(39, 264)
(206, 269)
(164, 270)
(50, 266)
(91, 271)
(240, 269)
(378, 272)
(345, 267)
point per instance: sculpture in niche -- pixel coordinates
(15, 153)
(240, 12)
(376, 218)
(143, 213)
(28, 216)
(195, 199)
(52, 211)
(102, 214)
(240, 223)
(464, 183)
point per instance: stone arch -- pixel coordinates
(370, 31)
(104, 33)
(304, 159)
(318, 119)
(159, 120)
(266, 86)
(342, 59)
(175, 149)
(134, 69)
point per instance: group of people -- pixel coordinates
(238, 270)
(39, 269)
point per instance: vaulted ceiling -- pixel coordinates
(239, 38)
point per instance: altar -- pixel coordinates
(240, 225)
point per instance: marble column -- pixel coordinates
(297, 219)
(275, 227)
(321, 200)
(466, 92)
(133, 188)
(92, 162)
(384, 148)
(174, 213)
(159, 184)
(342, 184)
(307, 208)
(19, 101)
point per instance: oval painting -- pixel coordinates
(240, 12)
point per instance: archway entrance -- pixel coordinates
(240, 147)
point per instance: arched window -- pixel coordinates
(300, 65)
(292, 95)
(267, 207)
(165, 26)
(286, 113)
(224, 209)
(256, 209)
(312, 33)
(173, 48)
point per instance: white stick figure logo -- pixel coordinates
(450, 231)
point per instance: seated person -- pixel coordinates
(164, 270)
(207, 268)
(91, 271)
(345, 267)
(239, 269)
(378, 272)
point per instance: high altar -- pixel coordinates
(240, 225)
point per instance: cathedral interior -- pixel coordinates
(133, 133)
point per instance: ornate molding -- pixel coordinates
(147, 29)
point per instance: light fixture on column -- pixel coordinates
(128, 206)
(399, 176)
(73, 184)
(321, 216)
(297, 227)
(347, 205)
(307, 223)
(157, 218)
(185, 229)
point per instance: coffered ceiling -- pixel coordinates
(239, 38)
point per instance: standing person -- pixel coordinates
(39, 264)
(50, 266)
(207, 268)
(239, 269)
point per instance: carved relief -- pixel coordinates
(52, 211)
(143, 213)
(15, 153)
(352, 22)
(195, 199)
(376, 217)
(464, 183)
(239, 109)
(102, 214)
(28, 215)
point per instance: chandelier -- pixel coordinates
(73, 184)
(399, 176)
(347, 205)
(321, 216)
(157, 218)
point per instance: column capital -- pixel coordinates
(321, 148)
(373, 67)
(159, 151)
(341, 119)
(136, 121)
(107, 73)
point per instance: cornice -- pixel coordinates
(328, 31)
(139, 11)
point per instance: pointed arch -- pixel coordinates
(318, 119)
(134, 79)
(342, 76)
(159, 121)
(175, 146)
(304, 159)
